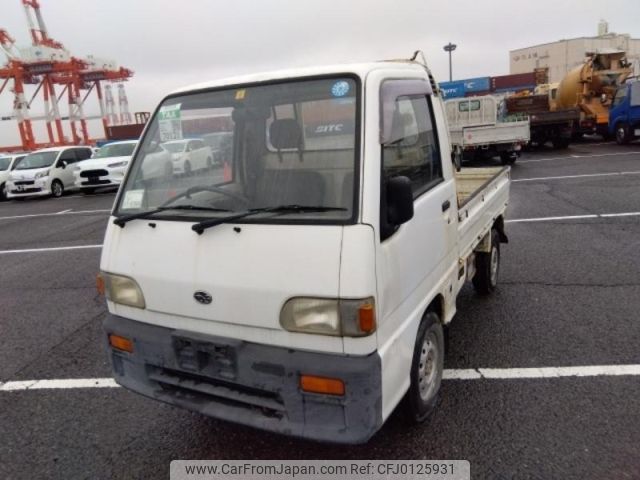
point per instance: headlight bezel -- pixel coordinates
(44, 174)
(123, 290)
(120, 164)
(336, 317)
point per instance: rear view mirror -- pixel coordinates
(456, 158)
(399, 200)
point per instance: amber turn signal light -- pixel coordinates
(328, 386)
(121, 343)
(100, 284)
(367, 318)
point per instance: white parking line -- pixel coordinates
(51, 249)
(573, 217)
(612, 174)
(457, 374)
(573, 157)
(62, 213)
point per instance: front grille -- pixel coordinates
(96, 181)
(93, 173)
(27, 190)
(24, 182)
(205, 389)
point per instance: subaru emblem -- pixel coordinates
(203, 297)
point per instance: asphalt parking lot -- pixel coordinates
(569, 296)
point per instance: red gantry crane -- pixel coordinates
(45, 64)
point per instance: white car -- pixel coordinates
(7, 163)
(106, 168)
(189, 155)
(45, 172)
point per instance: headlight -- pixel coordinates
(77, 168)
(122, 290)
(118, 164)
(42, 174)
(323, 316)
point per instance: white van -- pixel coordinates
(45, 172)
(7, 163)
(304, 288)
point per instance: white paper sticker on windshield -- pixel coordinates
(132, 199)
(170, 123)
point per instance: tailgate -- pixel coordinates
(507, 132)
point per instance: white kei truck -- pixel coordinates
(304, 287)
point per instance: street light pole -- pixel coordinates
(450, 47)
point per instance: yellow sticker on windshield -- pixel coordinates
(240, 94)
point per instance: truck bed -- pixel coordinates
(483, 194)
(498, 133)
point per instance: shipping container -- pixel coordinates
(479, 84)
(514, 81)
(452, 89)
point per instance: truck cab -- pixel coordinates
(624, 116)
(303, 287)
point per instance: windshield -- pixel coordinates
(4, 163)
(37, 160)
(258, 147)
(116, 150)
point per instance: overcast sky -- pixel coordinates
(173, 43)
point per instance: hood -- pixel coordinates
(29, 174)
(250, 270)
(100, 162)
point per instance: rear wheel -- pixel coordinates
(560, 143)
(57, 189)
(622, 134)
(426, 369)
(508, 158)
(485, 280)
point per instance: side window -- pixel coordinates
(66, 156)
(412, 148)
(620, 96)
(635, 94)
(83, 153)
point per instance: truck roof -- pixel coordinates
(359, 69)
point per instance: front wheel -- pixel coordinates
(485, 280)
(3, 191)
(57, 189)
(622, 134)
(426, 369)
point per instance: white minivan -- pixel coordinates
(304, 288)
(7, 163)
(46, 172)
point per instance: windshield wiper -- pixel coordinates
(202, 226)
(121, 221)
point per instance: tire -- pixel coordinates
(57, 189)
(426, 370)
(3, 191)
(622, 134)
(560, 143)
(187, 168)
(508, 158)
(485, 280)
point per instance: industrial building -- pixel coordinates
(564, 55)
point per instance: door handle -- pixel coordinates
(446, 206)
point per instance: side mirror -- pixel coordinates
(63, 164)
(399, 200)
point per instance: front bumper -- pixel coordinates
(249, 383)
(29, 188)
(97, 178)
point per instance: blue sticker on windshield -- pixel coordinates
(340, 89)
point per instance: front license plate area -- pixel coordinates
(207, 358)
